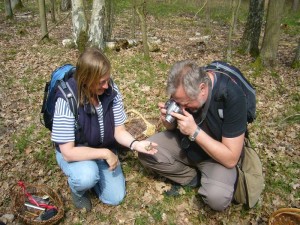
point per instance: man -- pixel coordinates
(199, 141)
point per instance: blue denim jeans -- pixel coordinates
(84, 175)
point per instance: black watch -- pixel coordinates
(193, 137)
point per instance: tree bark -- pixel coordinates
(109, 19)
(43, 19)
(8, 10)
(207, 14)
(16, 4)
(236, 17)
(251, 35)
(96, 31)
(141, 11)
(270, 43)
(79, 24)
(235, 7)
(295, 6)
(65, 5)
(53, 11)
(133, 20)
(296, 61)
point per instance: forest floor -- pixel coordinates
(27, 154)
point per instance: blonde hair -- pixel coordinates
(91, 66)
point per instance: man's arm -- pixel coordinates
(227, 152)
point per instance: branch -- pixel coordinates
(291, 116)
(200, 9)
(55, 26)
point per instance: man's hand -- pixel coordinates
(163, 112)
(185, 123)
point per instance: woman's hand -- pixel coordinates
(112, 160)
(145, 147)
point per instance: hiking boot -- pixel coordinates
(82, 202)
(174, 191)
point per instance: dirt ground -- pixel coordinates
(26, 63)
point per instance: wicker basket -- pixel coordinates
(140, 127)
(285, 216)
(29, 217)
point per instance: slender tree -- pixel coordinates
(53, 11)
(270, 43)
(235, 18)
(235, 7)
(134, 19)
(207, 14)
(65, 5)
(141, 11)
(96, 31)
(109, 19)
(251, 35)
(43, 19)
(16, 4)
(296, 62)
(295, 5)
(80, 24)
(8, 10)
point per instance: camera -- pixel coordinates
(171, 106)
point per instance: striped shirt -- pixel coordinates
(63, 129)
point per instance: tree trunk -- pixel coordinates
(43, 19)
(208, 14)
(236, 16)
(141, 11)
(251, 35)
(134, 20)
(269, 48)
(295, 5)
(16, 4)
(96, 31)
(79, 24)
(109, 19)
(296, 62)
(65, 5)
(235, 7)
(8, 10)
(53, 11)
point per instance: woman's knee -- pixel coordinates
(84, 180)
(113, 198)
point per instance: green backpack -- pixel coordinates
(250, 182)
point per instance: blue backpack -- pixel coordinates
(59, 80)
(236, 75)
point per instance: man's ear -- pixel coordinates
(202, 88)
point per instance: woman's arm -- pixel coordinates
(124, 138)
(81, 153)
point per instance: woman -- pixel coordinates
(89, 158)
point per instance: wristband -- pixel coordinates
(193, 137)
(131, 145)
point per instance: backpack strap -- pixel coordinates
(221, 94)
(206, 106)
(69, 97)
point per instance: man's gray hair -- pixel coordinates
(188, 74)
